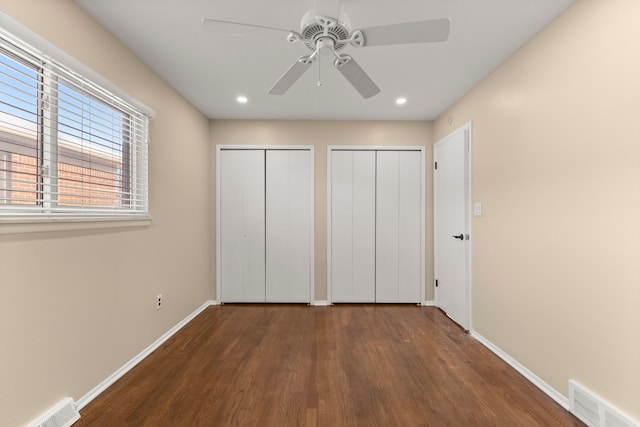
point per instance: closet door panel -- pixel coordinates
(353, 226)
(364, 223)
(387, 223)
(398, 227)
(341, 226)
(410, 227)
(242, 233)
(288, 225)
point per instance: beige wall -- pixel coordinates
(556, 134)
(321, 134)
(556, 280)
(75, 306)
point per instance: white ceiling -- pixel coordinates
(211, 70)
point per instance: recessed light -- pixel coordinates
(401, 101)
(242, 99)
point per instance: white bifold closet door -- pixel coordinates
(265, 225)
(398, 228)
(353, 226)
(242, 226)
(376, 226)
(288, 226)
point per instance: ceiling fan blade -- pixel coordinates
(292, 75)
(350, 69)
(330, 8)
(433, 30)
(240, 29)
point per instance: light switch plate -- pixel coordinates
(477, 209)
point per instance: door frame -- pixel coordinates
(467, 130)
(422, 150)
(310, 148)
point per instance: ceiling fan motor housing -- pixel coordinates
(319, 27)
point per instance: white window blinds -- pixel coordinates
(67, 146)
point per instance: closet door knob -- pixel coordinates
(460, 236)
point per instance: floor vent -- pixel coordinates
(64, 414)
(594, 411)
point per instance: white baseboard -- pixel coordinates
(324, 303)
(95, 392)
(561, 399)
(320, 303)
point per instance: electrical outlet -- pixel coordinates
(159, 302)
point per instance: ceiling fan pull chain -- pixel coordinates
(319, 77)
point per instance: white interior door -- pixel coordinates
(288, 225)
(242, 226)
(398, 226)
(353, 226)
(451, 225)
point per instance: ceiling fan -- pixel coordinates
(323, 34)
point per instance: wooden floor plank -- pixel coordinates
(344, 365)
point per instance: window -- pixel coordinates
(68, 148)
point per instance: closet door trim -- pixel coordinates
(221, 147)
(421, 149)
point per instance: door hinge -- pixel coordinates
(436, 283)
(436, 165)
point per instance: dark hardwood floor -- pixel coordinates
(345, 365)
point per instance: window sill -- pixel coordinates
(42, 225)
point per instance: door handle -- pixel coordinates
(461, 237)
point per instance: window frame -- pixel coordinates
(134, 147)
